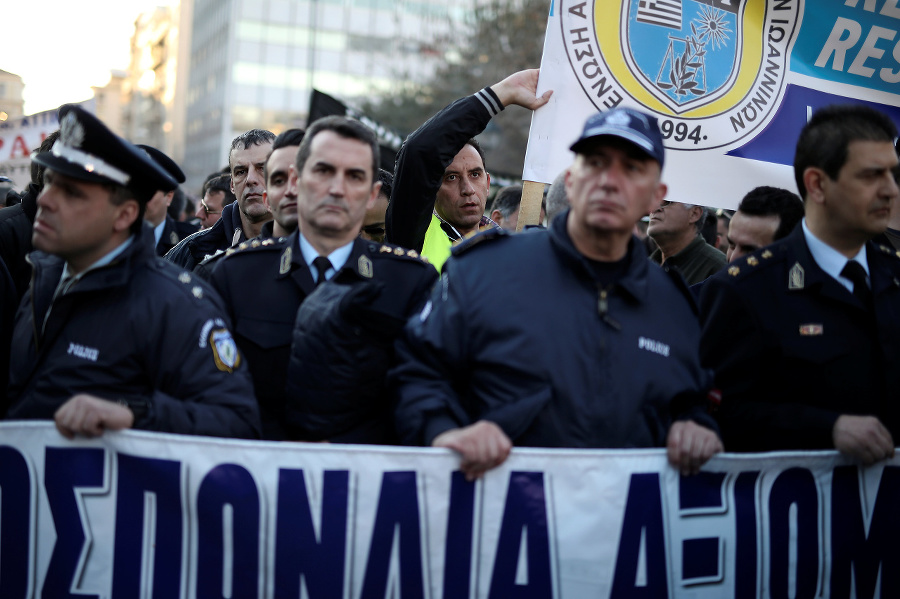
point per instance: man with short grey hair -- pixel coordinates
(675, 227)
(243, 219)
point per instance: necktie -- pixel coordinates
(854, 271)
(322, 265)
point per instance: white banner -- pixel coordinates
(732, 82)
(138, 514)
(18, 137)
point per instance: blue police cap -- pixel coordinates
(625, 123)
(87, 150)
(169, 165)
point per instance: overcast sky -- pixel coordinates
(61, 48)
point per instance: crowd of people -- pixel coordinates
(324, 299)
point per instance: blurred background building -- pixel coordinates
(203, 71)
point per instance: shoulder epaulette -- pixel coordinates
(752, 262)
(256, 244)
(889, 251)
(468, 243)
(385, 249)
(188, 282)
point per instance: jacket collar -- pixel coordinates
(805, 275)
(294, 266)
(48, 268)
(634, 283)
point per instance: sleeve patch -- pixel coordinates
(224, 350)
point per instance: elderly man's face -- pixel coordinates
(612, 185)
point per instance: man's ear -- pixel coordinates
(126, 213)
(374, 196)
(496, 215)
(815, 179)
(696, 214)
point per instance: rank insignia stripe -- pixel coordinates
(796, 277)
(364, 265)
(810, 330)
(285, 266)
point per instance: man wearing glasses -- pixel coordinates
(218, 194)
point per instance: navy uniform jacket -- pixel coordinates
(519, 332)
(225, 233)
(173, 232)
(139, 331)
(343, 346)
(263, 283)
(793, 349)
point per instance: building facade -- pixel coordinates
(253, 63)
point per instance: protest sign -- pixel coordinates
(731, 82)
(136, 514)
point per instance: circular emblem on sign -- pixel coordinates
(711, 71)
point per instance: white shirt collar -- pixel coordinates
(832, 261)
(337, 258)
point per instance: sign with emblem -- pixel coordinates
(731, 82)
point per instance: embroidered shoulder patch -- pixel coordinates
(224, 350)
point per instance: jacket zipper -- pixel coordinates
(603, 307)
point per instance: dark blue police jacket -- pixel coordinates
(793, 349)
(519, 332)
(140, 331)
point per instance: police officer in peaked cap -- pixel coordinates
(108, 335)
(166, 230)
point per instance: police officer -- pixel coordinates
(264, 282)
(567, 337)
(166, 230)
(804, 335)
(108, 335)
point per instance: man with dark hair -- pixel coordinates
(242, 220)
(166, 230)
(765, 215)
(505, 207)
(280, 196)
(804, 335)
(373, 223)
(477, 379)
(111, 336)
(265, 281)
(675, 228)
(16, 222)
(440, 181)
(216, 195)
